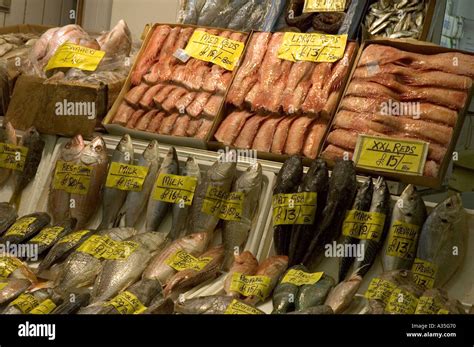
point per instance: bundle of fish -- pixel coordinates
(400, 94)
(172, 97)
(396, 19)
(281, 107)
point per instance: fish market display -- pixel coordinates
(278, 106)
(172, 97)
(216, 304)
(402, 95)
(396, 19)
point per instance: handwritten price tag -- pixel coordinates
(79, 57)
(103, 247)
(297, 208)
(175, 189)
(258, 286)
(46, 307)
(299, 278)
(391, 155)
(25, 303)
(232, 207)
(127, 303)
(380, 289)
(126, 177)
(19, 228)
(324, 6)
(215, 49)
(402, 240)
(12, 157)
(237, 307)
(312, 47)
(363, 225)
(74, 179)
(401, 302)
(424, 273)
(75, 237)
(182, 260)
(47, 236)
(214, 200)
(8, 265)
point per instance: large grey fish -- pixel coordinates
(75, 302)
(156, 210)
(409, 209)
(181, 211)
(214, 304)
(8, 216)
(25, 227)
(311, 295)
(32, 140)
(316, 180)
(381, 204)
(136, 201)
(361, 203)
(94, 155)
(58, 199)
(235, 233)
(342, 189)
(217, 182)
(287, 182)
(284, 295)
(443, 239)
(114, 198)
(11, 288)
(7, 136)
(117, 275)
(211, 10)
(80, 268)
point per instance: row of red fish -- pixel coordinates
(403, 95)
(172, 97)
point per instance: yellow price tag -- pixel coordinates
(390, 155)
(79, 57)
(175, 189)
(363, 225)
(424, 273)
(74, 179)
(12, 157)
(324, 6)
(74, 237)
(232, 207)
(258, 286)
(25, 303)
(299, 278)
(126, 177)
(215, 49)
(402, 240)
(401, 302)
(127, 303)
(103, 247)
(47, 236)
(297, 208)
(312, 47)
(182, 260)
(8, 265)
(380, 289)
(46, 307)
(19, 228)
(428, 305)
(214, 200)
(237, 307)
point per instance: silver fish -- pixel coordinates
(214, 304)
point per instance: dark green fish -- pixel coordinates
(25, 227)
(284, 295)
(311, 295)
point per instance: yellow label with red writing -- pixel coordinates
(237, 307)
(20, 227)
(324, 6)
(127, 303)
(402, 240)
(182, 260)
(12, 157)
(380, 289)
(299, 277)
(364, 225)
(296, 208)
(215, 49)
(8, 265)
(47, 236)
(75, 237)
(401, 302)
(258, 285)
(74, 179)
(75, 56)
(46, 307)
(126, 177)
(424, 273)
(25, 303)
(312, 47)
(103, 247)
(175, 189)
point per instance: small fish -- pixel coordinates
(8, 216)
(341, 296)
(25, 227)
(284, 295)
(244, 263)
(310, 295)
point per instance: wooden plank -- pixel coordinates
(34, 12)
(52, 12)
(17, 13)
(67, 6)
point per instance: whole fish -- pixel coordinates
(32, 140)
(136, 201)
(443, 239)
(59, 200)
(244, 263)
(75, 302)
(190, 278)
(284, 295)
(342, 189)
(24, 303)
(25, 227)
(380, 203)
(410, 209)
(48, 236)
(316, 180)
(311, 295)
(272, 267)
(94, 155)
(235, 233)
(193, 244)
(117, 275)
(114, 198)
(8, 216)
(321, 309)
(80, 268)
(341, 296)
(287, 182)
(63, 247)
(156, 210)
(181, 212)
(7, 136)
(362, 202)
(214, 304)
(217, 181)
(11, 288)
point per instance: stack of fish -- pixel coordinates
(280, 106)
(396, 19)
(400, 94)
(172, 97)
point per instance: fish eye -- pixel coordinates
(409, 214)
(444, 220)
(68, 145)
(448, 204)
(98, 148)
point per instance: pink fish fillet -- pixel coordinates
(231, 126)
(249, 131)
(334, 153)
(313, 140)
(133, 120)
(281, 134)
(299, 82)
(167, 124)
(144, 121)
(161, 96)
(124, 112)
(296, 135)
(263, 140)
(193, 126)
(185, 101)
(134, 95)
(170, 103)
(155, 123)
(196, 107)
(204, 129)
(213, 106)
(147, 98)
(315, 99)
(272, 103)
(181, 125)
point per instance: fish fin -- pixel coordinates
(42, 285)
